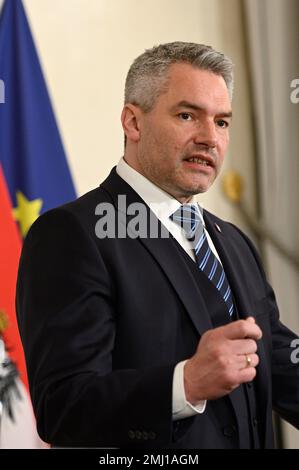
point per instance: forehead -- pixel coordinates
(202, 87)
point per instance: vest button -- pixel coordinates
(229, 431)
(255, 422)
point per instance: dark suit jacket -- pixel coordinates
(104, 322)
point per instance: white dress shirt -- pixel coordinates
(163, 205)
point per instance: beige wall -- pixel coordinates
(86, 48)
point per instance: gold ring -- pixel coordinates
(248, 360)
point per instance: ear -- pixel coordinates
(130, 118)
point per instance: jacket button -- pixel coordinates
(152, 435)
(255, 422)
(229, 431)
(131, 434)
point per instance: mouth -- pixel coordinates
(201, 160)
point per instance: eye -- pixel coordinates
(185, 116)
(223, 124)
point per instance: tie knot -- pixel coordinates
(189, 218)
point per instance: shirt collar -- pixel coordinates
(159, 201)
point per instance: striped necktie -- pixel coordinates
(191, 221)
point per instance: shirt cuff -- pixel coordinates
(181, 408)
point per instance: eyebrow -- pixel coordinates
(187, 104)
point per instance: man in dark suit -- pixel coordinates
(147, 322)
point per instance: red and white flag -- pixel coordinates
(20, 432)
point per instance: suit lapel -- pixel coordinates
(181, 279)
(165, 253)
(230, 258)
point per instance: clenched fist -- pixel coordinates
(225, 358)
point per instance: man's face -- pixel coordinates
(184, 137)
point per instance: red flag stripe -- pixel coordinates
(10, 248)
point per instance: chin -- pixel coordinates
(203, 187)
(198, 188)
(189, 192)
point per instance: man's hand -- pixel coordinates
(220, 363)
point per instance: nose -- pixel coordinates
(206, 134)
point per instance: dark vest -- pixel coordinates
(242, 398)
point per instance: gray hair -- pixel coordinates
(147, 77)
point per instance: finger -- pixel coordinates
(243, 346)
(248, 361)
(250, 319)
(242, 329)
(246, 375)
